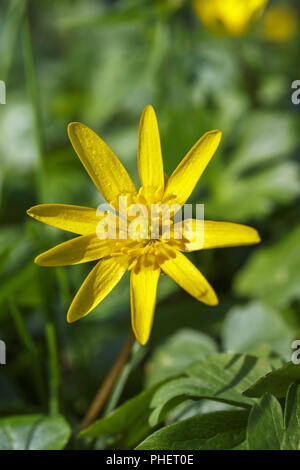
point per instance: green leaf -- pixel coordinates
(221, 377)
(257, 329)
(273, 274)
(276, 382)
(291, 439)
(268, 430)
(34, 432)
(225, 375)
(265, 427)
(129, 423)
(242, 446)
(220, 430)
(178, 352)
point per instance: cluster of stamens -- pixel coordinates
(154, 239)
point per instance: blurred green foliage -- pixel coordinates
(101, 62)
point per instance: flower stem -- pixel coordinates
(105, 389)
(138, 353)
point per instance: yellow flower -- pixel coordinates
(280, 23)
(147, 258)
(232, 17)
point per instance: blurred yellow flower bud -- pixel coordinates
(280, 23)
(232, 17)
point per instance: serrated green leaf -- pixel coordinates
(221, 377)
(265, 426)
(276, 382)
(34, 432)
(220, 430)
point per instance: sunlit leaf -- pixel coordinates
(276, 382)
(221, 430)
(33, 432)
(265, 427)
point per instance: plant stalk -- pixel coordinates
(105, 389)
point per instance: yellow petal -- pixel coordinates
(150, 162)
(78, 250)
(207, 234)
(76, 219)
(99, 283)
(104, 168)
(185, 177)
(187, 276)
(143, 288)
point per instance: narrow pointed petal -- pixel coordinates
(99, 283)
(78, 250)
(205, 234)
(143, 289)
(104, 168)
(75, 219)
(185, 177)
(150, 162)
(187, 276)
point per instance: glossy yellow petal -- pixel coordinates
(75, 219)
(185, 177)
(78, 250)
(104, 168)
(99, 283)
(187, 276)
(207, 234)
(150, 162)
(143, 288)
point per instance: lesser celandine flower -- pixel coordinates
(232, 17)
(280, 23)
(145, 256)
